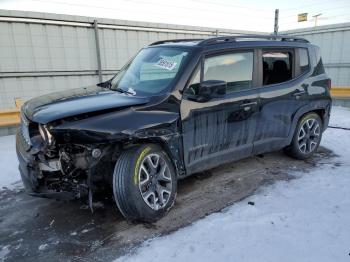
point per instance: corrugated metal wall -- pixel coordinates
(42, 53)
(335, 49)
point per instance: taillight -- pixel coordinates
(329, 84)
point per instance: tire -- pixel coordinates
(307, 137)
(132, 185)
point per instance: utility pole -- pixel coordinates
(275, 31)
(98, 51)
(316, 18)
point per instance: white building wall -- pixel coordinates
(42, 53)
(335, 49)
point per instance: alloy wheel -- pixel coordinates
(155, 181)
(309, 136)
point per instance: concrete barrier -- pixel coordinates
(11, 117)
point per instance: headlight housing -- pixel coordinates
(45, 134)
(25, 128)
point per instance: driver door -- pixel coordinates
(221, 129)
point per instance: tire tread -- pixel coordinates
(126, 196)
(122, 166)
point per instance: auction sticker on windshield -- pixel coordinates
(166, 64)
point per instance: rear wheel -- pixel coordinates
(307, 137)
(144, 183)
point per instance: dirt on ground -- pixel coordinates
(35, 229)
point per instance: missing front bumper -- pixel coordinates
(37, 185)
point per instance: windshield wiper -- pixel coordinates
(108, 84)
(118, 89)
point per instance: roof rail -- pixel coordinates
(176, 41)
(234, 38)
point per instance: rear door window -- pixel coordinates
(277, 66)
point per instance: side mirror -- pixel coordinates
(210, 89)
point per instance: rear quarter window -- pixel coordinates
(304, 62)
(319, 69)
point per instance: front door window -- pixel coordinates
(235, 68)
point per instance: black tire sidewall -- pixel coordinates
(138, 210)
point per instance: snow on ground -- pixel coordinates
(340, 117)
(9, 174)
(306, 219)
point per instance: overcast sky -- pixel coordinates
(256, 15)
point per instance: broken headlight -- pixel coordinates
(45, 134)
(25, 128)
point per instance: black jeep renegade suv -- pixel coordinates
(177, 108)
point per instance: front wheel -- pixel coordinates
(144, 183)
(307, 137)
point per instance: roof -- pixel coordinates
(215, 41)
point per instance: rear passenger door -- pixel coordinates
(283, 91)
(222, 129)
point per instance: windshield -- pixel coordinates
(151, 71)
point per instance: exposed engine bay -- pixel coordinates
(65, 171)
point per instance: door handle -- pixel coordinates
(249, 104)
(299, 93)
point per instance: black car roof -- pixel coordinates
(236, 41)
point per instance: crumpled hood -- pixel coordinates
(54, 106)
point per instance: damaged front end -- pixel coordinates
(61, 170)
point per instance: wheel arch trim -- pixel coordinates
(316, 107)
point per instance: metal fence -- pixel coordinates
(42, 53)
(335, 49)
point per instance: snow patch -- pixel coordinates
(9, 175)
(43, 247)
(4, 251)
(17, 232)
(86, 230)
(340, 117)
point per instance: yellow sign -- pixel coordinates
(302, 17)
